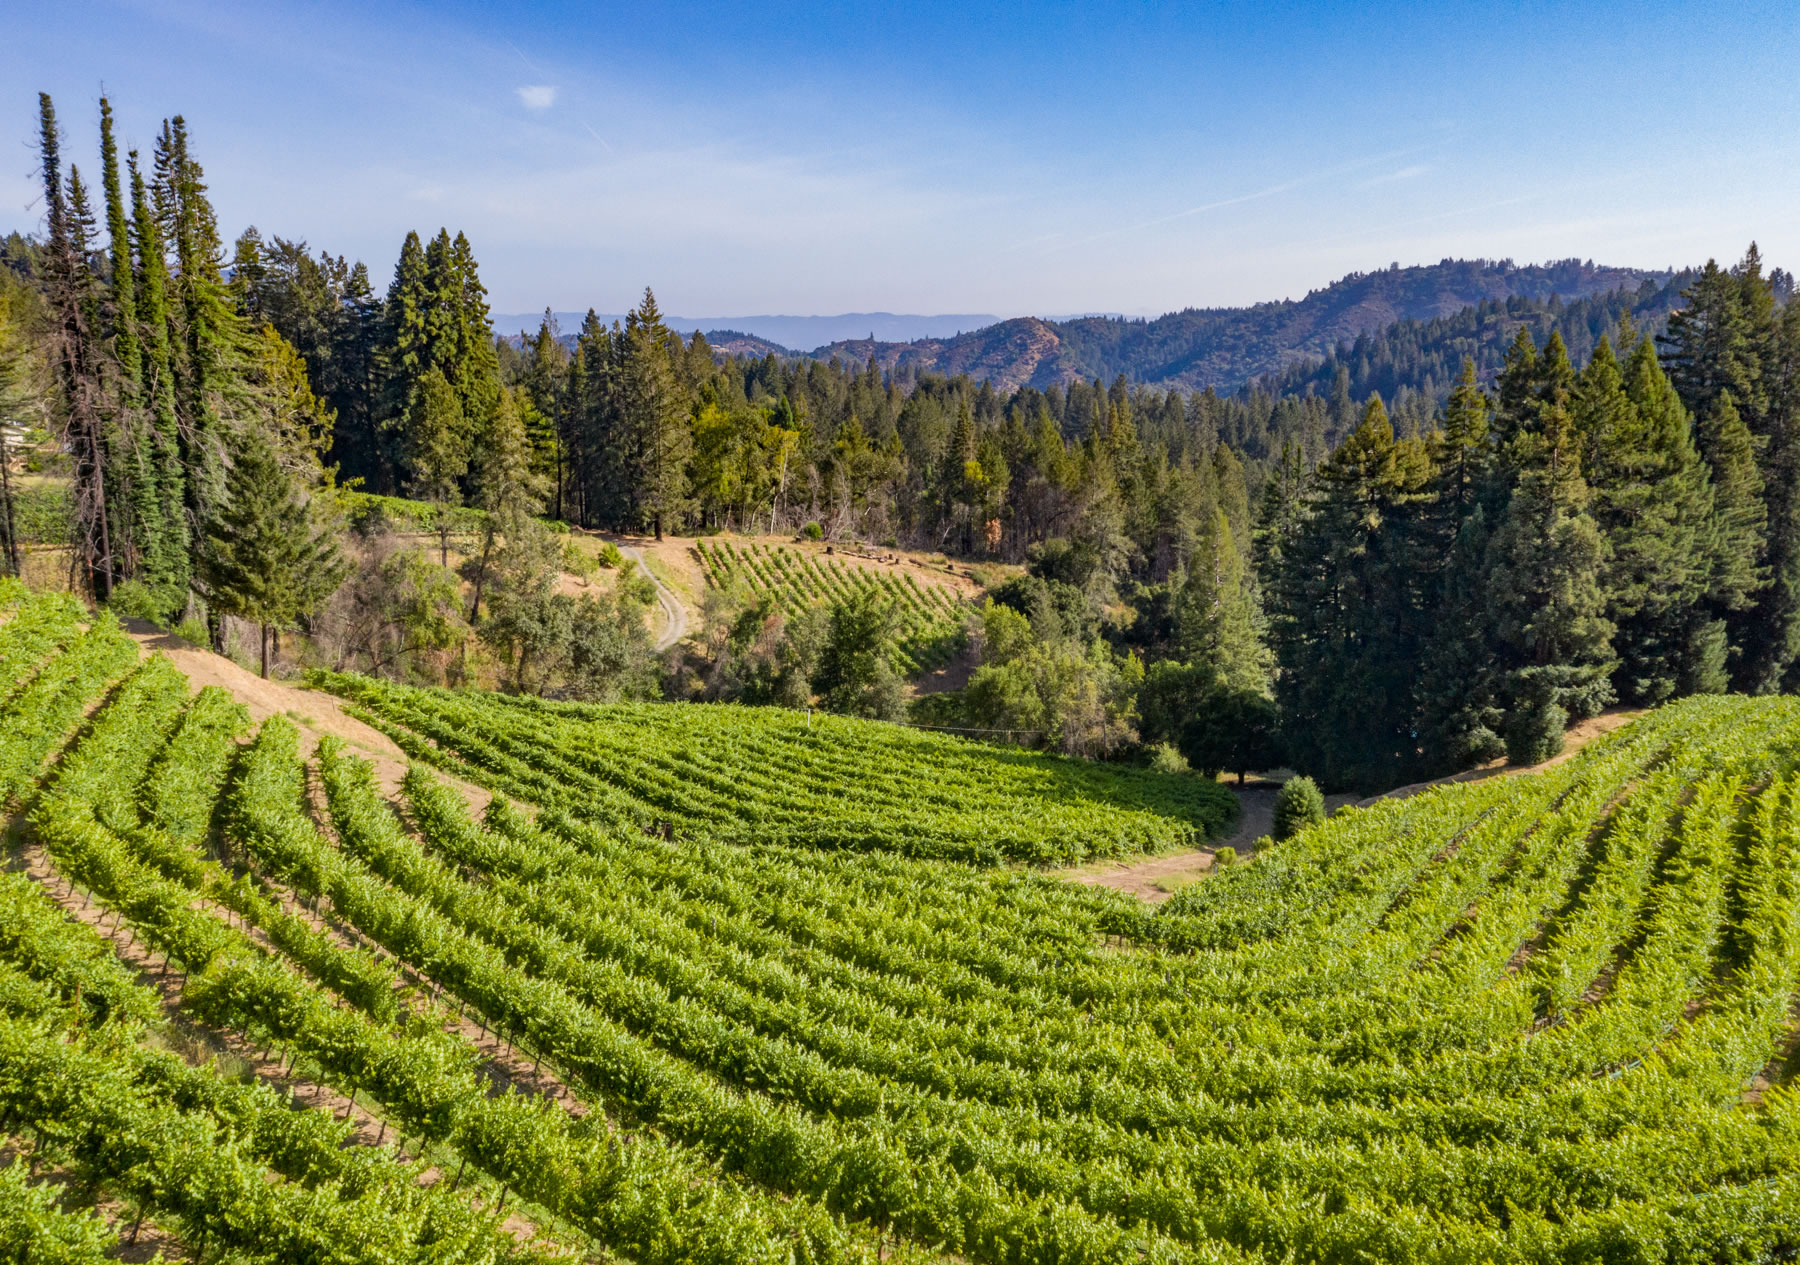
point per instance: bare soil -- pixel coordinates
(317, 714)
(1155, 879)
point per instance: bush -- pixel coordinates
(578, 562)
(1226, 855)
(1534, 733)
(1298, 805)
(1164, 758)
(133, 599)
(812, 531)
(609, 555)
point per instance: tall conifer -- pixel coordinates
(1347, 608)
(165, 561)
(74, 306)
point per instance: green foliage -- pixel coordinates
(1225, 856)
(646, 763)
(269, 559)
(812, 531)
(1171, 695)
(1164, 758)
(697, 918)
(1233, 731)
(1217, 615)
(1298, 804)
(928, 617)
(1534, 730)
(855, 676)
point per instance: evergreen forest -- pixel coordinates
(1431, 545)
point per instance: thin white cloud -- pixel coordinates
(537, 96)
(1405, 173)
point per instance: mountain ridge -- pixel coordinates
(793, 335)
(1223, 348)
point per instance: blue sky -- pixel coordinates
(945, 157)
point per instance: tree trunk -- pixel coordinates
(6, 505)
(265, 650)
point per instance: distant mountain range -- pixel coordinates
(786, 335)
(1226, 347)
(1191, 349)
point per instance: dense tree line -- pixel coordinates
(168, 399)
(1372, 566)
(1624, 531)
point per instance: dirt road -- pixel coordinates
(674, 613)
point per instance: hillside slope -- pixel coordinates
(1225, 347)
(1538, 1018)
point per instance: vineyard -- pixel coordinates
(928, 617)
(768, 775)
(640, 1010)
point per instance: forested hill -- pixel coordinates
(1224, 348)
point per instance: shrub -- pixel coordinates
(609, 555)
(132, 599)
(1534, 733)
(1298, 805)
(1226, 855)
(578, 562)
(1164, 758)
(812, 531)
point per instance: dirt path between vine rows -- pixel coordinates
(1155, 879)
(314, 712)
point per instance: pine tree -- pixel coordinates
(209, 353)
(404, 356)
(122, 302)
(165, 564)
(437, 455)
(267, 560)
(1516, 408)
(503, 477)
(1217, 615)
(505, 486)
(1710, 348)
(1778, 614)
(477, 376)
(1458, 688)
(656, 414)
(74, 307)
(1458, 716)
(1553, 642)
(1462, 452)
(1740, 513)
(548, 382)
(1653, 504)
(1347, 611)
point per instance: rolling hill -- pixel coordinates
(714, 984)
(1224, 347)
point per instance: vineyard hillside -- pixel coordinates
(254, 1006)
(930, 603)
(773, 776)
